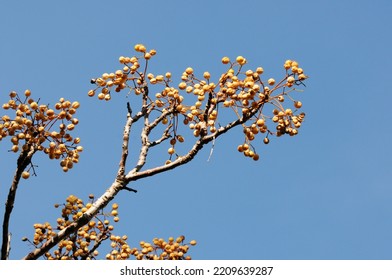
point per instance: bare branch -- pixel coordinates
(165, 135)
(127, 130)
(125, 144)
(147, 109)
(159, 119)
(23, 161)
(134, 175)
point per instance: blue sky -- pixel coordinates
(324, 194)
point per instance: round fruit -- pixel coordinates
(25, 174)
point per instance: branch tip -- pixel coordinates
(130, 189)
(129, 108)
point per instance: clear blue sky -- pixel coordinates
(324, 194)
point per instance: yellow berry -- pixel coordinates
(249, 73)
(147, 56)
(189, 89)
(182, 85)
(180, 138)
(75, 105)
(290, 80)
(259, 70)
(171, 150)
(241, 60)
(260, 122)
(21, 136)
(302, 77)
(225, 60)
(25, 174)
(271, 81)
(140, 48)
(297, 104)
(287, 64)
(189, 71)
(114, 213)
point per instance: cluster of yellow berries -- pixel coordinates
(42, 233)
(245, 92)
(118, 80)
(32, 127)
(85, 242)
(159, 249)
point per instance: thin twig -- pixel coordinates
(212, 150)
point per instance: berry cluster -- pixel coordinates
(245, 92)
(159, 249)
(33, 127)
(84, 243)
(119, 79)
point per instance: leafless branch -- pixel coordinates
(134, 175)
(165, 135)
(23, 161)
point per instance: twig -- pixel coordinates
(212, 149)
(129, 189)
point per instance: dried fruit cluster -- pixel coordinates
(243, 91)
(159, 249)
(84, 244)
(33, 128)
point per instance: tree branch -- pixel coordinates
(125, 144)
(134, 175)
(165, 135)
(23, 161)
